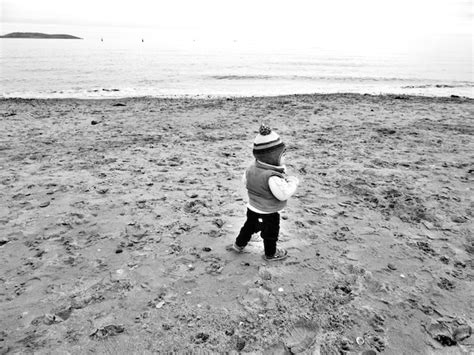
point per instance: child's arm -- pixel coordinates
(281, 188)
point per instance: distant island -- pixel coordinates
(38, 35)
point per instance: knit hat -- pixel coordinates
(267, 146)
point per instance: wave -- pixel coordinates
(78, 90)
(243, 77)
(439, 86)
(301, 77)
(344, 79)
(254, 87)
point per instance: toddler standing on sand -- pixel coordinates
(268, 189)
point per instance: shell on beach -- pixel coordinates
(302, 337)
(462, 332)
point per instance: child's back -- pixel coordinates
(268, 189)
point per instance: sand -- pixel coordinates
(116, 216)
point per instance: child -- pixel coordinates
(268, 189)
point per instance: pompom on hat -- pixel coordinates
(268, 146)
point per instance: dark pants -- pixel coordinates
(269, 227)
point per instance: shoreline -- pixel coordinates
(117, 214)
(227, 97)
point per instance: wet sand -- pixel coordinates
(116, 214)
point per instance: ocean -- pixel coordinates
(135, 67)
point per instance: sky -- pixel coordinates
(361, 23)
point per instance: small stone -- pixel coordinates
(40, 253)
(265, 274)
(206, 249)
(118, 251)
(428, 225)
(64, 313)
(280, 289)
(160, 304)
(391, 266)
(3, 241)
(44, 204)
(459, 219)
(94, 122)
(49, 319)
(145, 286)
(219, 222)
(346, 344)
(444, 259)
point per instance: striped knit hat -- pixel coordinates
(267, 146)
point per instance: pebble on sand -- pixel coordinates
(239, 344)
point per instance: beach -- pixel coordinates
(117, 214)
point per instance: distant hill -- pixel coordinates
(38, 35)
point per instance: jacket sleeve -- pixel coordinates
(282, 188)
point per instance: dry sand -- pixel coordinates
(116, 214)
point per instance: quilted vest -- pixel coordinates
(260, 195)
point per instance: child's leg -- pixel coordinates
(248, 229)
(270, 231)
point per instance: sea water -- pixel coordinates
(134, 67)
